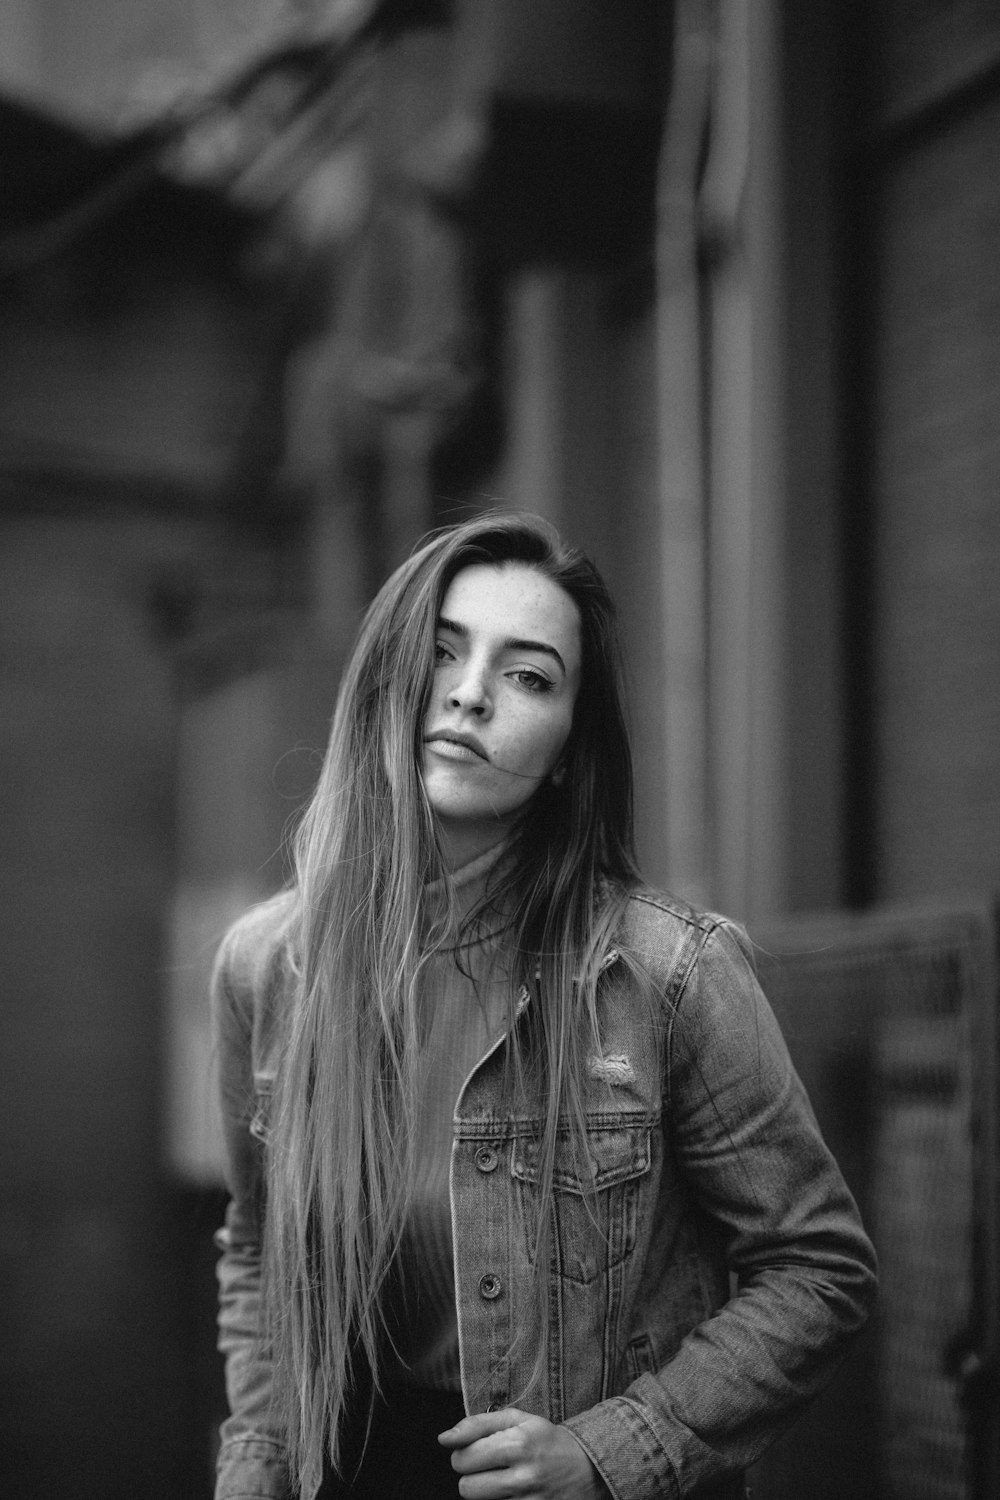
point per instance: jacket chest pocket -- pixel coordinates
(594, 1200)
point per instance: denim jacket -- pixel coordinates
(731, 1268)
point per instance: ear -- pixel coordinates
(558, 775)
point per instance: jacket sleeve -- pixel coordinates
(750, 1150)
(252, 1462)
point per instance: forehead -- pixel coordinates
(515, 601)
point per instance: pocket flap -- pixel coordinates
(615, 1154)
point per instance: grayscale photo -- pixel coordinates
(500, 750)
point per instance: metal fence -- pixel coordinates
(891, 1020)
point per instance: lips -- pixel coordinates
(453, 737)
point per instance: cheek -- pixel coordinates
(547, 742)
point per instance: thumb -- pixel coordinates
(470, 1429)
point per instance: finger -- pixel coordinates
(497, 1484)
(483, 1424)
(492, 1453)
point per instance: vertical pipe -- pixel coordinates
(680, 384)
(732, 518)
(767, 751)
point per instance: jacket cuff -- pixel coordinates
(625, 1451)
(252, 1469)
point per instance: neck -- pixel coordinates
(461, 842)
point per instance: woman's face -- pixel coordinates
(506, 675)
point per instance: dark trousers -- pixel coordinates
(402, 1459)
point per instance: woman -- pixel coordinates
(526, 1197)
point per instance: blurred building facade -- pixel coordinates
(281, 287)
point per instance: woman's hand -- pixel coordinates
(510, 1453)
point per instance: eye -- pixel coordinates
(442, 653)
(532, 681)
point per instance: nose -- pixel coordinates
(470, 692)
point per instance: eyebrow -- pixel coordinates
(510, 643)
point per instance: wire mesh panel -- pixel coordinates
(922, 1218)
(890, 1018)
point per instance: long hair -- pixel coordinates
(339, 1155)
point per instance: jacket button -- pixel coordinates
(489, 1286)
(486, 1159)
